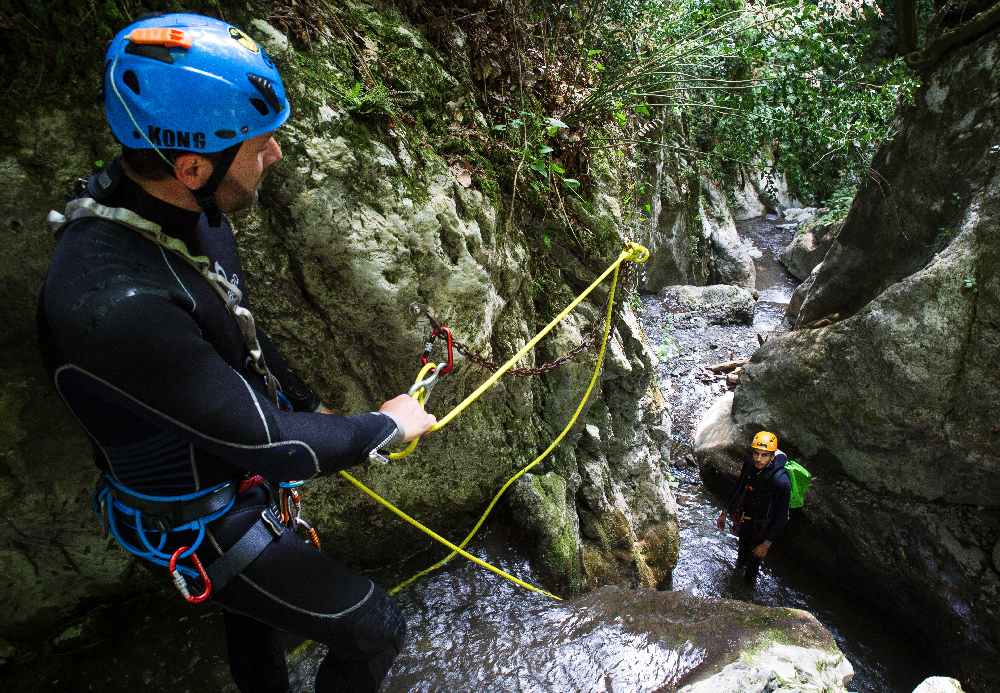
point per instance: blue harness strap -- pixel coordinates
(104, 498)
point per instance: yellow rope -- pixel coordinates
(441, 539)
(633, 253)
(576, 414)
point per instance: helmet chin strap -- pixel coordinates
(205, 195)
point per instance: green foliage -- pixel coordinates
(375, 99)
(839, 203)
(671, 346)
(799, 83)
(535, 130)
(970, 283)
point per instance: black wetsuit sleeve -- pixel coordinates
(740, 487)
(150, 348)
(302, 397)
(781, 495)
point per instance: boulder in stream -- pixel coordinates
(641, 641)
(719, 304)
(809, 247)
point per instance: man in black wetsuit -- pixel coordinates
(759, 503)
(195, 419)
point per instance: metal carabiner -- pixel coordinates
(310, 532)
(181, 584)
(437, 332)
(427, 384)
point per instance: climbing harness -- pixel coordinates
(192, 511)
(228, 292)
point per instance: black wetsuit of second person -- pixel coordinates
(764, 495)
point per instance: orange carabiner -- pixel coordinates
(181, 584)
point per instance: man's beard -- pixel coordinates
(237, 197)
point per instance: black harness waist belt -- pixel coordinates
(165, 515)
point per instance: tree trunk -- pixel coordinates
(906, 26)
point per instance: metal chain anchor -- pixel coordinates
(589, 340)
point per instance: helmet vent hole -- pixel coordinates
(260, 106)
(149, 50)
(225, 134)
(131, 81)
(266, 90)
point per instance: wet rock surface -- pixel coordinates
(719, 304)
(810, 246)
(692, 328)
(607, 640)
(891, 395)
(885, 658)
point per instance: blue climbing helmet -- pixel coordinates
(189, 82)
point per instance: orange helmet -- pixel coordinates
(768, 442)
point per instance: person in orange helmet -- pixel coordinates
(759, 503)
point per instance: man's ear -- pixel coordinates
(193, 170)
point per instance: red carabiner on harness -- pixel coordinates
(438, 331)
(181, 584)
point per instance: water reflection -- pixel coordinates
(472, 631)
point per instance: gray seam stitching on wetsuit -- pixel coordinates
(269, 595)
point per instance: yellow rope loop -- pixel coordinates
(441, 539)
(633, 253)
(637, 253)
(421, 396)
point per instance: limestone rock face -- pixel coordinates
(690, 231)
(937, 168)
(358, 221)
(772, 189)
(809, 247)
(744, 200)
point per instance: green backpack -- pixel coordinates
(800, 479)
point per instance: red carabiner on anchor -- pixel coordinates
(181, 584)
(439, 330)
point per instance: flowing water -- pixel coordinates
(885, 660)
(470, 630)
